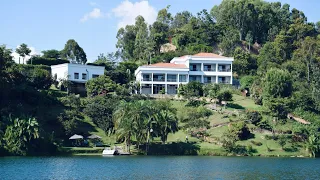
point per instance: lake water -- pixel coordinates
(158, 167)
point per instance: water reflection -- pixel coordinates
(158, 167)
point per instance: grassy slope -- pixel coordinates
(242, 104)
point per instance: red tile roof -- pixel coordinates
(167, 65)
(208, 55)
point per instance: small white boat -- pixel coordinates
(108, 151)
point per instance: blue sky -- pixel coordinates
(93, 24)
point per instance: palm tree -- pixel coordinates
(166, 123)
(23, 51)
(312, 145)
(124, 123)
(131, 119)
(165, 119)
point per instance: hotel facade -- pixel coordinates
(202, 67)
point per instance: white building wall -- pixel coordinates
(60, 70)
(187, 60)
(67, 71)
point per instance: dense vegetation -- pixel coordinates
(277, 63)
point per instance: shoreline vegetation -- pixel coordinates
(272, 109)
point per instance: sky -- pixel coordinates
(43, 24)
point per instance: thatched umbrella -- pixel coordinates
(77, 139)
(76, 136)
(93, 136)
(95, 139)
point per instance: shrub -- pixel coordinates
(241, 130)
(256, 143)
(224, 95)
(247, 81)
(254, 117)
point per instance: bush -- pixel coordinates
(100, 110)
(69, 120)
(46, 61)
(254, 117)
(241, 130)
(194, 103)
(247, 81)
(99, 85)
(224, 95)
(256, 143)
(38, 77)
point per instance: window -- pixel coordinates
(182, 78)
(76, 75)
(172, 78)
(84, 76)
(95, 75)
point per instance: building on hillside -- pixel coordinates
(202, 67)
(78, 74)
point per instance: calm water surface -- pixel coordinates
(160, 167)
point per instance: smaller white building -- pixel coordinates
(77, 73)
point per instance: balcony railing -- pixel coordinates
(182, 80)
(158, 80)
(197, 80)
(195, 69)
(209, 69)
(171, 80)
(224, 70)
(208, 81)
(224, 82)
(146, 79)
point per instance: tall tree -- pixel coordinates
(23, 51)
(159, 35)
(126, 42)
(72, 51)
(141, 52)
(52, 53)
(180, 19)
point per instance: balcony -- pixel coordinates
(224, 82)
(224, 70)
(171, 80)
(146, 79)
(158, 80)
(209, 69)
(195, 69)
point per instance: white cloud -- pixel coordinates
(16, 55)
(93, 4)
(94, 14)
(128, 11)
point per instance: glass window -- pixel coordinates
(76, 75)
(172, 78)
(84, 76)
(182, 78)
(95, 75)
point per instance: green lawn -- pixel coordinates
(245, 102)
(239, 104)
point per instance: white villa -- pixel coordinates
(201, 67)
(77, 73)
